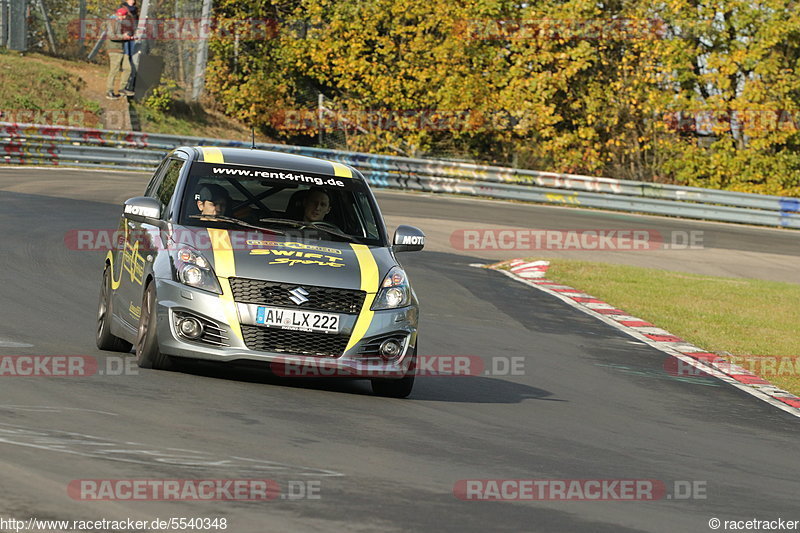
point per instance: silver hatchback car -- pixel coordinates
(248, 255)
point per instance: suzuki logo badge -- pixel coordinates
(298, 295)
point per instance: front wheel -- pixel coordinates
(397, 388)
(103, 337)
(148, 354)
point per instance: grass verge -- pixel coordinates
(28, 87)
(190, 120)
(744, 317)
(35, 87)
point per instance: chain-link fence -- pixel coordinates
(175, 30)
(172, 39)
(173, 34)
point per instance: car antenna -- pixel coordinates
(253, 141)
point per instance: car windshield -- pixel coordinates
(299, 204)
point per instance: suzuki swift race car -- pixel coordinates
(242, 255)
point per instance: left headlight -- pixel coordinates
(394, 292)
(194, 270)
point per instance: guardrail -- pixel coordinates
(61, 145)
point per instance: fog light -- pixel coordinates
(390, 349)
(190, 328)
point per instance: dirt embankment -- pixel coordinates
(46, 90)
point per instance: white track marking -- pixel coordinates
(48, 409)
(140, 453)
(661, 347)
(5, 342)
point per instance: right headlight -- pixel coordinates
(194, 270)
(394, 292)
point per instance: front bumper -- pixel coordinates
(359, 361)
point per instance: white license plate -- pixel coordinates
(297, 320)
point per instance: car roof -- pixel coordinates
(269, 159)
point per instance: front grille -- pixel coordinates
(252, 291)
(294, 342)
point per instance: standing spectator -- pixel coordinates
(118, 32)
(133, 19)
(133, 14)
(132, 8)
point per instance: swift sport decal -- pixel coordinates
(294, 245)
(294, 257)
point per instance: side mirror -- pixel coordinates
(408, 239)
(143, 209)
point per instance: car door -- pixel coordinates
(121, 293)
(142, 241)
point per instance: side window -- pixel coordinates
(155, 180)
(365, 214)
(167, 186)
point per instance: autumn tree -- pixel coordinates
(686, 91)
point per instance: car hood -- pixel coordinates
(265, 256)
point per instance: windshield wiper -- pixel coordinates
(324, 226)
(238, 222)
(283, 221)
(328, 228)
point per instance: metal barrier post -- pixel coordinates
(18, 26)
(3, 22)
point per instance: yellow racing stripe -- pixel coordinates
(225, 267)
(114, 282)
(369, 283)
(212, 154)
(341, 171)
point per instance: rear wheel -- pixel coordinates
(103, 337)
(397, 388)
(148, 354)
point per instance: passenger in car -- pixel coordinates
(316, 205)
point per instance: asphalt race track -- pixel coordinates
(590, 403)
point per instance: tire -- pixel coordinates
(397, 388)
(103, 337)
(148, 354)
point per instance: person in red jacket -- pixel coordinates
(119, 30)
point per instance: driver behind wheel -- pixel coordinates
(212, 200)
